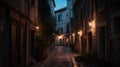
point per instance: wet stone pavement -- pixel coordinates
(60, 57)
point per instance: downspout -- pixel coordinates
(26, 45)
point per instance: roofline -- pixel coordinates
(61, 9)
(54, 3)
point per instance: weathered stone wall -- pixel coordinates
(2, 20)
(115, 31)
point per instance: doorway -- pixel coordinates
(32, 42)
(89, 41)
(102, 42)
(84, 44)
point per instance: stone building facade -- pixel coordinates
(99, 22)
(52, 6)
(61, 17)
(70, 20)
(64, 21)
(17, 27)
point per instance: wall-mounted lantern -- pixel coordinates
(92, 25)
(37, 27)
(80, 33)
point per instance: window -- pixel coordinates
(59, 17)
(66, 14)
(71, 21)
(60, 30)
(68, 28)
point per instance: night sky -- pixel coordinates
(60, 4)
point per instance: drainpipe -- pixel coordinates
(26, 45)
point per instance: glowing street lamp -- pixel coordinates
(80, 33)
(60, 37)
(37, 27)
(92, 25)
(73, 37)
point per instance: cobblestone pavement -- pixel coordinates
(60, 57)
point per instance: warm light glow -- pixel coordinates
(80, 33)
(73, 34)
(67, 40)
(91, 29)
(90, 24)
(93, 24)
(60, 37)
(37, 27)
(73, 40)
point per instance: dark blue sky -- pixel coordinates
(60, 4)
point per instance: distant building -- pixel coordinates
(61, 16)
(66, 16)
(64, 20)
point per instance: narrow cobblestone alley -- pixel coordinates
(60, 57)
(60, 33)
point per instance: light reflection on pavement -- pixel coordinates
(59, 57)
